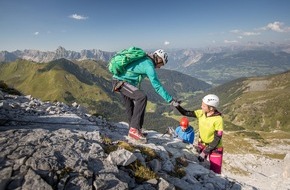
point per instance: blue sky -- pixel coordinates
(111, 25)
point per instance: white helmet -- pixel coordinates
(211, 100)
(161, 53)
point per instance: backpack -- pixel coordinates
(121, 59)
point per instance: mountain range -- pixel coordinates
(60, 52)
(214, 65)
(221, 67)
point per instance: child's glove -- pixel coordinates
(202, 156)
(172, 132)
(198, 149)
(175, 102)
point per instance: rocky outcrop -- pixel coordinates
(55, 146)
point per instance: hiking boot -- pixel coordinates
(136, 135)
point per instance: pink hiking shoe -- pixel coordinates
(137, 135)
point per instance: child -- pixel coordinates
(210, 123)
(184, 131)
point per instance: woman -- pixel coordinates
(210, 123)
(135, 99)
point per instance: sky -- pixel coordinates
(112, 25)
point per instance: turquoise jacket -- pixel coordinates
(138, 70)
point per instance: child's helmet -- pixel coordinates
(211, 100)
(184, 122)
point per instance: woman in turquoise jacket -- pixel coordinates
(135, 99)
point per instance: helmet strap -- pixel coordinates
(211, 112)
(155, 57)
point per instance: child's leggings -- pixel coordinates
(215, 158)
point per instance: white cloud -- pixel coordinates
(236, 31)
(78, 17)
(251, 33)
(277, 27)
(166, 43)
(241, 33)
(230, 41)
(36, 33)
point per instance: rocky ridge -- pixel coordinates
(48, 145)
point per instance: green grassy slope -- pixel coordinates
(88, 83)
(257, 103)
(54, 81)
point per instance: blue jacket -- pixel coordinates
(138, 70)
(187, 136)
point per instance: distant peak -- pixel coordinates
(60, 48)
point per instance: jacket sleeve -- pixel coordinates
(192, 135)
(190, 138)
(214, 143)
(185, 112)
(152, 75)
